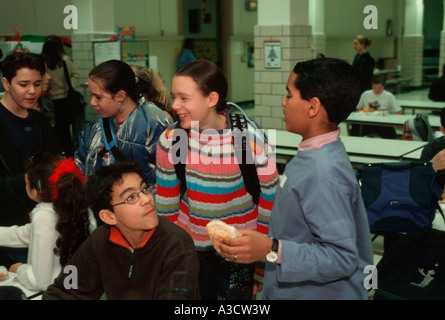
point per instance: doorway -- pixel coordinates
(209, 23)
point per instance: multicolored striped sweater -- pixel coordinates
(215, 186)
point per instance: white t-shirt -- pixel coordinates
(385, 100)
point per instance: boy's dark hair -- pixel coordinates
(100, 185)
(379, 79)
(333, 81)
(18, 60)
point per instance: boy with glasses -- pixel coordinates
(136, 254)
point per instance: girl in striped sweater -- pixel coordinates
(214, 184)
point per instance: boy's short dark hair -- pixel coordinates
(18, 60)
(379, 79)
(333, 81)
(100, 184)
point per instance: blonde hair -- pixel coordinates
(153, 88)
(363, 40)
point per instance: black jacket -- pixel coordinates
(166, 267)
(14, 202)
(437, 90)
(364, 68)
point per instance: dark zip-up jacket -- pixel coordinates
(14, 203)
(164, 267)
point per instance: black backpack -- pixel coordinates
(247, 166)
(414, 267)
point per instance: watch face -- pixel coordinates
(272, 256)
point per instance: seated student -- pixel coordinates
(319, 241)
(437, 90)
(136, 255)
(377, 99)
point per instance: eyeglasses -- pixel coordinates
(134, 197)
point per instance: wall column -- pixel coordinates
(412, 42)
(290, 26)
(316, 20)
(96, 21)
(442, 44)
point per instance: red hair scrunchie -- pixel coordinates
(63, 168)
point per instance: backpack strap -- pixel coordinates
(246, 162)
(239, 128)
(179, 166)
(109, 139)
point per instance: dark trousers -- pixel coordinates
(63, 122)
(220, 279)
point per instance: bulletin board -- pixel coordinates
(106, 50)
(131, 52)
(206, 49)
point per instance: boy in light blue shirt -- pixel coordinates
(319, 241)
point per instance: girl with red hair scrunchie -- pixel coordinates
(60, 221)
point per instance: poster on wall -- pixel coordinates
(126, 33)
(106, 50)
(272, 54)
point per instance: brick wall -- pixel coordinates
(83, 57)
(270, 84)
(412, 59)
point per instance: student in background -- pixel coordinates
(24, 132)
(136, 254)
(44, 105)
(363, 63)
(55, 56)
(319, 241)
(437, 90)
(377, 99)
(187, 55)
(60, 222)
(215, 189)
(134, 125)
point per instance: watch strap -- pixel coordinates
(274, 245)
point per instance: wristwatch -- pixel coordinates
(272, 256)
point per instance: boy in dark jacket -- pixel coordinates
(24, 132)
(137, 254)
